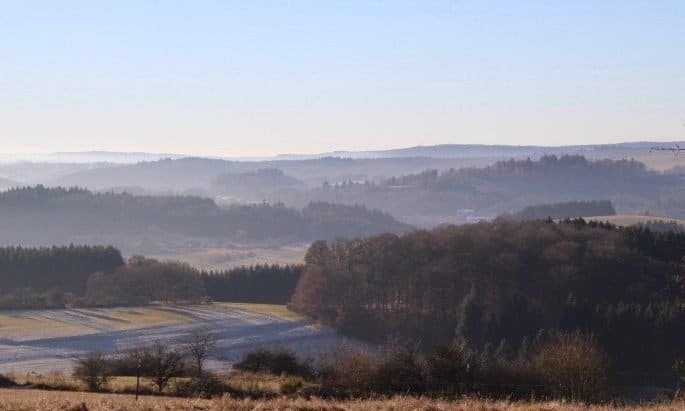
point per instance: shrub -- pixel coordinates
(449, 367)
(93, 369)
(6, 382)
(402, 371)
(208, 386)
(573, 365)
(282, 361)
(290, 385)
(353, 371)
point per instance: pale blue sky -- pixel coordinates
(265, 77)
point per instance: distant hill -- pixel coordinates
(255, 185)
(432, 195)
(567, 209)
(470, 194)
(177, 173)
(495, 151)
(31, 173)
(199, 173)
(7, 183)
(42, 216)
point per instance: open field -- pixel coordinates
(44, 341)
(20, 400)
(227, 258)
(632, 219)
(659, 160)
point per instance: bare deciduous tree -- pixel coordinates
(200, 345)
(92, 369)
(161, 364)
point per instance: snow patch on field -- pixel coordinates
(44, 341)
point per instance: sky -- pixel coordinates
(257, 78)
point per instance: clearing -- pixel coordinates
(232, 257)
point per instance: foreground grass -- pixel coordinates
(24, 400)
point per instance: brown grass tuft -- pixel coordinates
(24, 400)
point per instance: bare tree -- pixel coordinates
(161, 364)
(93, 369)
(200, 345)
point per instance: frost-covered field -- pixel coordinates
(44, 341)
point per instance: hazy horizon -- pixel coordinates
(240, 79)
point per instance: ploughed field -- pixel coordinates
(55, 400)
(44, 341)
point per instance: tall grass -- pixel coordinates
(24, 400)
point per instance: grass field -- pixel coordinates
(24, 400)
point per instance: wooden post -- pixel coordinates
(138, 378)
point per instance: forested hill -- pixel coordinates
(550, 173)
(501, 283)
(256, 185)
(41, 216)
(508, 186)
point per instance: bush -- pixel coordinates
(93, 369)
(291, 385)
(277, 362)
(211, 386)
(350, 371)
(402, 371)
(208, 386)
(449, 368)
(573, 365)
(6, 382)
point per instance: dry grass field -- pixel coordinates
(24, 400)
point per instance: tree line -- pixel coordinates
(33, 215)
(89, 276)
(499, 284)
(267, 284)
(66, 268)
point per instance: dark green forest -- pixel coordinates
(268, 284)
(89, 276)
(64, 268)
(500, 284)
